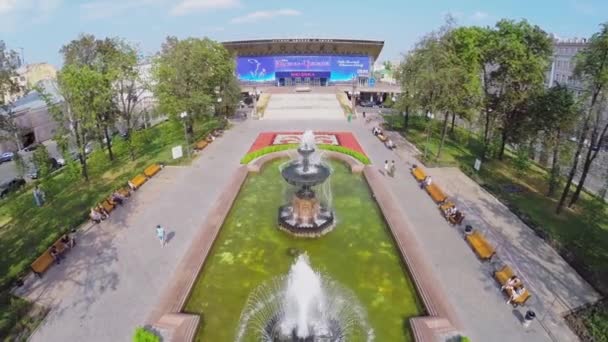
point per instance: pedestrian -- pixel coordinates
(393, 167)
(160, 233)
(38, 196)
(386, 167)
(364, 115)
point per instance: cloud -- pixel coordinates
(7, 6)
(107, 8)
(265, 15)
(15, 13)
(187, 6)
(479, 15)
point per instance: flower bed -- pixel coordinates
(344, 139)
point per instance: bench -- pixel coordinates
(436, 194)
(44, 261)
(108, 205)
(201, 145)
(124, 192)
(502, 276)
(480, 245)
(382, 137)
(151, 170)
(446, 205)
(418, 174)
(137, 181)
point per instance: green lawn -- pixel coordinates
(27, 230)
(580, 235)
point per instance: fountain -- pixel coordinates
(306, 216)
(303, 307)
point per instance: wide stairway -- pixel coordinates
(303, 106)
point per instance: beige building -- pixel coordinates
(27, 77)
(562, 65)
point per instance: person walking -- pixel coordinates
(38, 196)
(393, 167)
(160, 233)
(386, 167)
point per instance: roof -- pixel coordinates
(33, 99)
(297, 46)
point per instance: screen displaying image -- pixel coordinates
(266, 68)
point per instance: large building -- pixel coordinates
(562, 64)
(27, 77)
(309, 62)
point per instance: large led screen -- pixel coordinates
(266, 68)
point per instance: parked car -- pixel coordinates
(368, 104)
(6, 157)
(11, 186)
(54, 163)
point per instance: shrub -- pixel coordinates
(464, 339)
(357, 155)
(143, 335)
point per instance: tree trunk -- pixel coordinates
(486, 135)
(590, 157)
(453, 123)
(581, 181)
(572, 173)
(503, 144)
(406, 119)
(444, 132)
(108, 143)
(80, 143)
(555, 167)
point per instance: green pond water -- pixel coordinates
(250, 250)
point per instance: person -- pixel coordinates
(104, 213)
(393, 168)
(390, 144)
(364, 115)
(160, 233)
(513, 282)
(68, 241)
(516, 293)
(38, 196)
(386, 167)
(117, 197)
(131, 185)
(428, 181)
(55, 255)
(95, 215)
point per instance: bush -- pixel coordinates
(143, 335)
(276, 148)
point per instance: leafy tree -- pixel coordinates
(592, 70)
(41, 160)
(556, 112)
(187, 73)
(9, 61)
(20, 165)
(84, 96)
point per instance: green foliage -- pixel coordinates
(144, 335)
(14, 309)
(20, 165)
(464, 339)
(41, 160)
(276, 148)
(522, 160)
(596, 322)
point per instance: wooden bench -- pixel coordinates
(502, 276)
(151, 170)
(138, 181)
(382, 137)
(201, 145)
(480, 245)
(124, 192)
(44, 261)
(418, 174)
(108, 205)
(436, 194)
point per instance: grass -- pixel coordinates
(580, 235)
(250, 250)
(28, 230)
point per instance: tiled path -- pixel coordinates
(110, 282)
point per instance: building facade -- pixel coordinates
(29, 76)
(308, 62)
(563, 62)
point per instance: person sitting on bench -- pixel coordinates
(104, 213)
(117, 197)
(96, 215)
(516, 293)
(456, 217)
(512, 283)
(55, 254)
(68, 241)
(426, 182)
(131, 185)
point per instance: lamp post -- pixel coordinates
(184, 116)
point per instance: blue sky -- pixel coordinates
(41, 27)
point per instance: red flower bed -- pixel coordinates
(345, 139)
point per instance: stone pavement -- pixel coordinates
(110, 282)
(317, 106)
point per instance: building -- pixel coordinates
(31, 114)
(306, 62)
(27, 77)
(562, 64)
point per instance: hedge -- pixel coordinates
(276, 148)
(143, 335)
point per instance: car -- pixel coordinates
(11, 186)
(6, 157)
(368, 104)
(31, 147)
(54, 163)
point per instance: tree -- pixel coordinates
(9, 61)
(592, 71)
(407, 75)
(42, 161)
(83, 99)
(556, 112)
(187, 73)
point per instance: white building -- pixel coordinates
(562, 66)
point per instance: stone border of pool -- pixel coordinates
(168, 318)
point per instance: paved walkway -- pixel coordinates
(110, 282)
(311, 106)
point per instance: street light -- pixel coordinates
(184, 116)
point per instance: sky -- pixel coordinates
(39, 28)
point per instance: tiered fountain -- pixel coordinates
(306, 216)
(303, 307)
